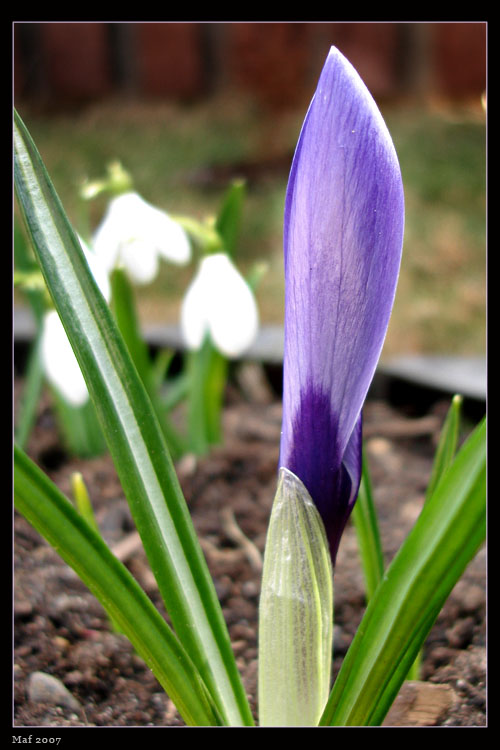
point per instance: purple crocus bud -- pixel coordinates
(343, 232)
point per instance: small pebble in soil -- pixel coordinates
(45, 688)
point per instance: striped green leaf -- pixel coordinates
(133, 434)
(124, 309)
(82, 547)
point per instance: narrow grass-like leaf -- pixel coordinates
(82, 500)
(365, 522)
(160, 366)
(446, 536)
(34, 374)
(133, 434)
(85, 509)
(124, 309)
(229, 217)
(404, 669)
(80, 429)
(445, 453)
(25, 263)
(177, 390)
(295, 612)
(447, 444)
(81, 546)
(33, 382)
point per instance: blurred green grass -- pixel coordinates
(182, 159)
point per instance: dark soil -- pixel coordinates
(61, 630)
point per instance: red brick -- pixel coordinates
(76, 56)
(169, 59)
(459, 58)
(269, 60)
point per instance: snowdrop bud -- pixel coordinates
(219, 302)
(134, 234)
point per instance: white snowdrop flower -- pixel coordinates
(134, 234)
(99, 270)
(220, 302)
(59, 362)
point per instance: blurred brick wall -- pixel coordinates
(62, 64)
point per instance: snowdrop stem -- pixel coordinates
(204, 234)
(207, 373)
(116, 181)
(79, 426)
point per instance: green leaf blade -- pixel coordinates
(124, 309)
(229, 218)
(446, 536)
(33, 382)
(365, 520)
(133, 434)
(81, 546)
(447, 444)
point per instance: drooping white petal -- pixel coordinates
(134, 234)
(99, 270)
(196, 302)
(233, 315)
(171, 240)
(60, 364)
(220, 302)
(139, 260)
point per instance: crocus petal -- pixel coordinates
(344, 217)
(60, 364)
(219, 302)
(134, 234)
